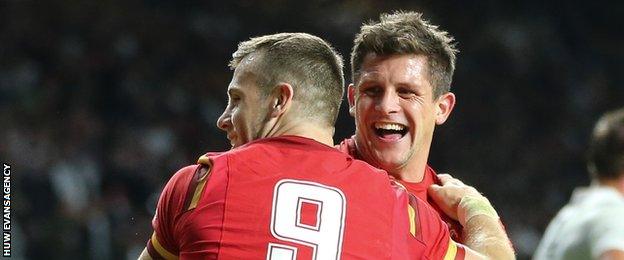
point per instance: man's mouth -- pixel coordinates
(390, 131)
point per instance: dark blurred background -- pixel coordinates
(102, 101)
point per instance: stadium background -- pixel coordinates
(101, 101)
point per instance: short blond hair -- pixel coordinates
(307, 62)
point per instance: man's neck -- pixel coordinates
(414, 168)
(413, 171)
(312, 131)
(617, 184)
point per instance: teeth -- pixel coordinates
(389, 126)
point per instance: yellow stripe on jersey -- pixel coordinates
(198, 191)
(204, 160)
(412, 214)
(161, 250)
(451, 251)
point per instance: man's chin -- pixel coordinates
(389, 162)
(236, 145)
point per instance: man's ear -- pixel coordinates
(444, 106)
(282, 99)
(351, 99)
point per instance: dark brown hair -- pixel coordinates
(407, 33)
(606, 148)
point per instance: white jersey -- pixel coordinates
(589, 225)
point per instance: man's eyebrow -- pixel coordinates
(411, 86)
(368, 77)
(372, 74)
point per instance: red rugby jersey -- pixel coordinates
(419, 189)
(292, 198)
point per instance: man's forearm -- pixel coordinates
(144, 255)
(482, 229)
(486, 235)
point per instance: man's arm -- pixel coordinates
(162, 244)
(145, 255)
(483, 231)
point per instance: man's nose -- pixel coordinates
(388, 103)
(224, 121)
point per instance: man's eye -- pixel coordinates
(406, 93)
(372, 91)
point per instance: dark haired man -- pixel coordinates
(591, 225)
(283, 191)
(402, 67)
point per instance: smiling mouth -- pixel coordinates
(390, 131)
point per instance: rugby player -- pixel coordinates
(402, 68)
(283, 191)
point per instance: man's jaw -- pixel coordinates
(232, 138)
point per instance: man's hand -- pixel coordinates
(453, 193)
(482, 229)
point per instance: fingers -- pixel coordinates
(441, 195)
(445, 198)
(434, 192)
(435, 187)
(451, 188)
(444, 177)
(447, 178)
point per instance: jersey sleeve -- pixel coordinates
(164, 243)
(607, 232)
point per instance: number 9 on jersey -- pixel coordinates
(324, 234)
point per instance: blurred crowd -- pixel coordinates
(102, 101)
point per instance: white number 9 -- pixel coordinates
(324, 235)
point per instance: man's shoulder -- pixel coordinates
(183, 175)
(597, 199)
(280, 143)
(347, 146)
(177, 186)
(171, 202)
(298, 150)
